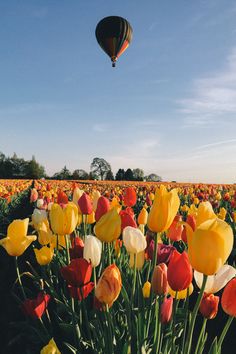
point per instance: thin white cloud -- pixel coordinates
(99, 128)
(213, 97)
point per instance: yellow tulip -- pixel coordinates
(63, 220)
(146, 289)
(95, 196)
(50, 348)
(181, 294)
(142, 218)
(205, 212)
(91, 218)
(44, 255)
(184, 208)
(108, 227)
(16, 241)
(222, 214)
(163, 210)
(209, 245)
(77, 193)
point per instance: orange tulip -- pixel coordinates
(228, 300)
(159, 279)
(179, 273)
(109, 285)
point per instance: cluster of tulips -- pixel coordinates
(10, 188)
(115, 274)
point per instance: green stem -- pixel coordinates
(75, 324)
(185, 319)
(67, 249)
(109, 327)
(201, 335)
(155, 251)
(94, 277)
(19, 279)
(174, 320)
(86, 321)
(109, 253)
(225, 330)
(134, 280)
(194, 316)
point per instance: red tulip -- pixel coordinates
(103, 205)
(191, 220)
(166, 309)
(175, 230)
(82, 292)
(209, 306)
(35, 308)
(85, 204)
(130, 197)
(78, 272)
(164, 252)
(77, 249)
(62, 198)
(179, 273)
(228, 300)
(127, 218)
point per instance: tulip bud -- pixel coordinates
(159, 280)
(33, 195)
(77, 193)
(179, 273)
(130, 197)
(103, 206)
(108, 228)
(44, 255)
(134, 240)
(228, 302)
(85, 204)
(175, 230)
(146, 289)
(92, 250)
(109, 285)
(142, 218)
(127, 218)
(163, 210)
(209, 306)
(95, 196)
(166, 309)
(62, 198)
(50, 348)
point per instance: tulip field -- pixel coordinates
(117, 267)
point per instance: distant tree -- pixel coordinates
(138, 174)
(63, 174)
(109, 176)
(120, 175)
(128, 175)
(34, 170)
(99, 168)
(153, 178)
(80, 174)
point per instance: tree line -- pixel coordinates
(100, 169)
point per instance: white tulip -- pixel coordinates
(40, 203)
(216, 282)
(38, 216)
(134, 240)
(92, 250)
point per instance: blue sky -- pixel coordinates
(169, 107)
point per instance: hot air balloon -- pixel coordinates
(114, 35)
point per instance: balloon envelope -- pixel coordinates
(114, 35)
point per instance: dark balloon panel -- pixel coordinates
(114, 35)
